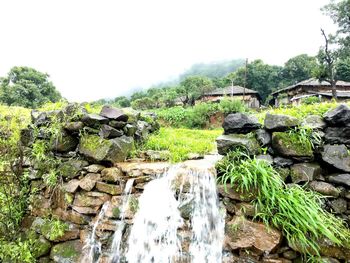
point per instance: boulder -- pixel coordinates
(280, 122)
(102, 150)
(71, 168)
(337, 156)
(108, 132)
(288, 146)
(67, 252)
(282, 162)
(304, 172)
(93, 119)
(130, 130)
(243, 234)
(226, 143)
(75, 126)
(337, 135)
(142, 130)
(263, 137)
(240, 123)
(342, 179)
(314, 122)
(113, 113)
(340, 116)
(324, 188)
(112, 175)
(117, 124)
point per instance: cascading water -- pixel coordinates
(115, 255)
(155, 233)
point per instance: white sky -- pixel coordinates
(98, 49)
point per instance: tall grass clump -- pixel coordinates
(295, 211)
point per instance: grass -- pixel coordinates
(297, 212)
(181, 142)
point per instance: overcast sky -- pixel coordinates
(96, 49)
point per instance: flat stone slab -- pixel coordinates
(136, 169)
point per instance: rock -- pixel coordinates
(74, 126)
(314, 122)
(97, 149)
(329, 260)
(142, 130)
(113, 113)
(86, 210)
(130, 130)
(337, 156)
(72, 232)
(89, 181)
(37, 224)
(42, 245)
(94, 168)
(283, 172)
(71, 216)
(290, 254)
(340, 116)
(280, 122)
(265, 157)
(90, 199)
(109, 188)
(235, 194)
(245, 209)
(240, 123)
(263, 137)
(324, 188)
(337, 135)
(282, 162)
(108, 132)
(117, 124)
(304, 172)
(137, 169)
(67, 252)
(339, 206)
(342, 179)
(288, 146)
(71, 186)
(114, 210)
(112, 174)
(71, 168)
(156, 155)
(243, 234)
(226, 143)
(64, 143)
(94, 120)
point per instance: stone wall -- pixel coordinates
(324, 168)
(83, 151)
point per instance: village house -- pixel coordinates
(250, 97)
(309, 88)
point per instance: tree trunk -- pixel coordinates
(334, 90)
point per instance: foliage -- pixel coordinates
(53, 228)
(17, 251)
(228, 106)
(181, 142)
(297, 212)
(143, 103)
(310, 100)
(193, 87)
(27, 87)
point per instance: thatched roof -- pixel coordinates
(231, 90)
(312, 83)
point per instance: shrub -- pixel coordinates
(310, 100)
(228, 106)
(297, 212)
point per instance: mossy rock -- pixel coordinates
(71, 168)
(41, 246)
(226, 143)
(289, 145)
(102, 150)
(67, 252)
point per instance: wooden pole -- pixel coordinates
(245, 78)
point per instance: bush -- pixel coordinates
(297, 212)
(310, 100)
(228, 106)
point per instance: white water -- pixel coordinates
(115, 255)
(92, 243)
(155, 238)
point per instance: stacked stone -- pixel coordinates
(325, 169)
(90, 152)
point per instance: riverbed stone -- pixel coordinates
(337, 156)
(304, 172)
(114, 113)
(240, 123)
(287, 146)
(324, 188)
(226, 143)
(278, 122)
(115, 150)
(341, 179)
(243, 233)
(66, 252)
(340, 116)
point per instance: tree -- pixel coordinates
(193, 87)
(328, 58)
(27, 87)
(260, 77)
(343, 69)
(298, 68)
(143, 104)
(122, 101)
(339, 13)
